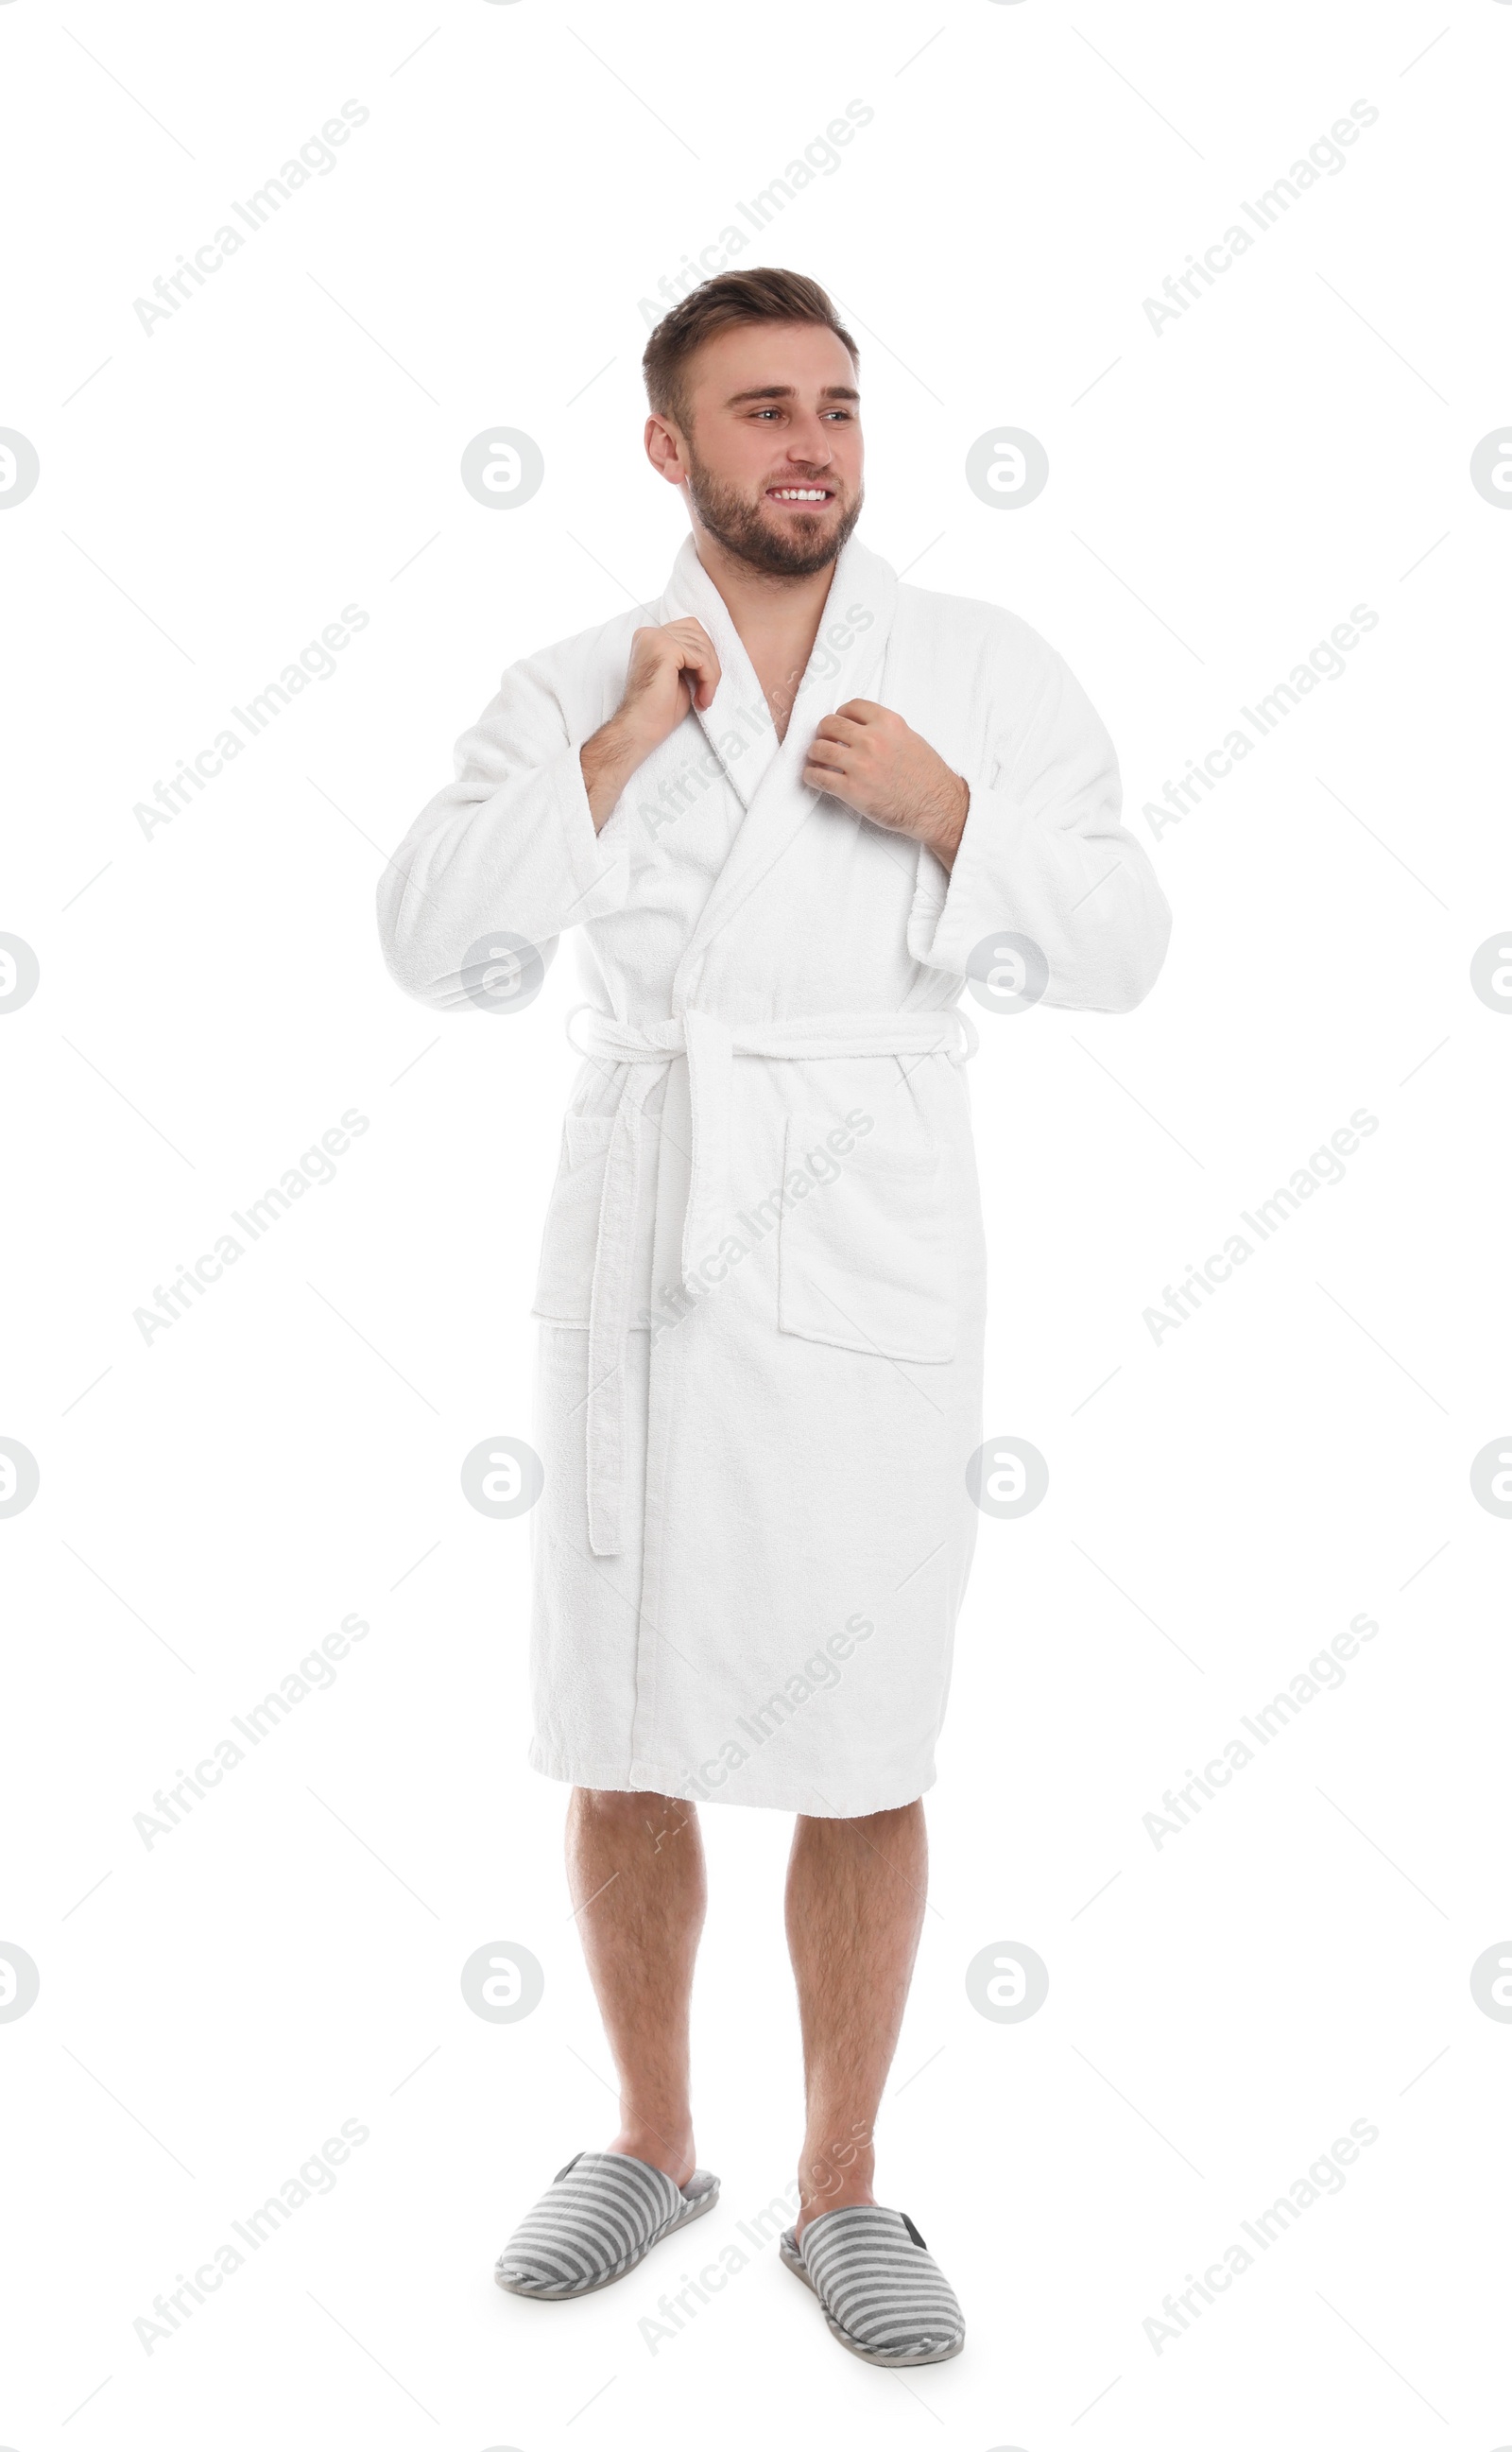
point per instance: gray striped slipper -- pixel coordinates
(601, 2214)
(881, 2291)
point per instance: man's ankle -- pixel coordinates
(855, 2190)
(661, 2149)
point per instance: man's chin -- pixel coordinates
(795, 554)
(790, 546)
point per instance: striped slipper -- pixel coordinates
(881, 2291)
(601, 2215)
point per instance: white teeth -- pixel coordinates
(800, 494)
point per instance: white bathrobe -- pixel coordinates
(762, 1277)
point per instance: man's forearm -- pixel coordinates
(945, 831)
(608, 759)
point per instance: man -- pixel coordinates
(786, 805)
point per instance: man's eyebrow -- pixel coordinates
(789, 391)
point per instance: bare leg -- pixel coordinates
(634, 1868)
(855, 1910)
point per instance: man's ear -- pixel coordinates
(665, 449)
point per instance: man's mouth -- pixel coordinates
(810, 498)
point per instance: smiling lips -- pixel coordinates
(802, 497)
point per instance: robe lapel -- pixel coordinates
(767, 776)
(739, 724)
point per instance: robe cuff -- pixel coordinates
(954, 908)
(1088, 902)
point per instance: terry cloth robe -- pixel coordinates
(761, 1287)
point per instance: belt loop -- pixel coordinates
(571, 1017)
(970, 1034)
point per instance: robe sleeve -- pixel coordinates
(509, 845)
(1043, 855)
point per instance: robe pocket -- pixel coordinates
(867, 1260)
(570, 1240)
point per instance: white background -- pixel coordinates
(212, 999)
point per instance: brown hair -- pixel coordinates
(764, 295)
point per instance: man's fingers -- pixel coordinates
(696, 656)
(821, 778)
(702, 678)
(677, 650)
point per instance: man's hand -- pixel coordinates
(670, 669)
(870, 759)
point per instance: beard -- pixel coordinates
(788, 547)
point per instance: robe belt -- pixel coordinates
(709, 1046)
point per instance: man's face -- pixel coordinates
(773, 458)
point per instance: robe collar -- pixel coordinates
(861, 584)
(846, 661)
